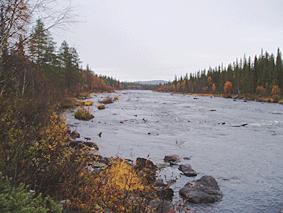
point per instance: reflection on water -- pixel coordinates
(239, 143)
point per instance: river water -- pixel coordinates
(246, 161)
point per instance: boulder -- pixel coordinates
(172, 159)
(75, 135)
(165, 193)
(160, 183)
(100, 106)
(142, 163)
(204, 190)
(187, 170)
(147, 169)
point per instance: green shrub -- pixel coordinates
(20, 200)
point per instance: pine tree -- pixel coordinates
(41, 45)
(279, 69)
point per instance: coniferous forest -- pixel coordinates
(262, 75)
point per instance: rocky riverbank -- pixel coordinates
(160, 197)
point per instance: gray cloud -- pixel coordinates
(156, 39)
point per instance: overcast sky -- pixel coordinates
(156, 39)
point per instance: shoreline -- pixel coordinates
(255, 98)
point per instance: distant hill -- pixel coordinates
(153, 83)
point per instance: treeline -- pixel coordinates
(110, 81)
(118, 85)
(37, 68)
(262, 75)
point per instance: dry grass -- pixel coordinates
(83, 114)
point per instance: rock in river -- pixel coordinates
(204, 190)
(101, 106)
(75, 135)
(172, 159)
(106, 100)
(188, 170)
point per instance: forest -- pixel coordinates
(261, 76)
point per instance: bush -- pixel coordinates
(34, 149)
(83, 114)
(19, 199)
(117, 188)
(87, 103)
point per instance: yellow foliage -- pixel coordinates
(87, 103)
(122, 176)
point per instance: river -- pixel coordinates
(247, 161)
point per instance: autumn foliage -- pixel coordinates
(275, 90)
(228, 88)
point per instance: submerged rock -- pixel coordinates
(172, 159)
(187, 170)
(204, 190)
